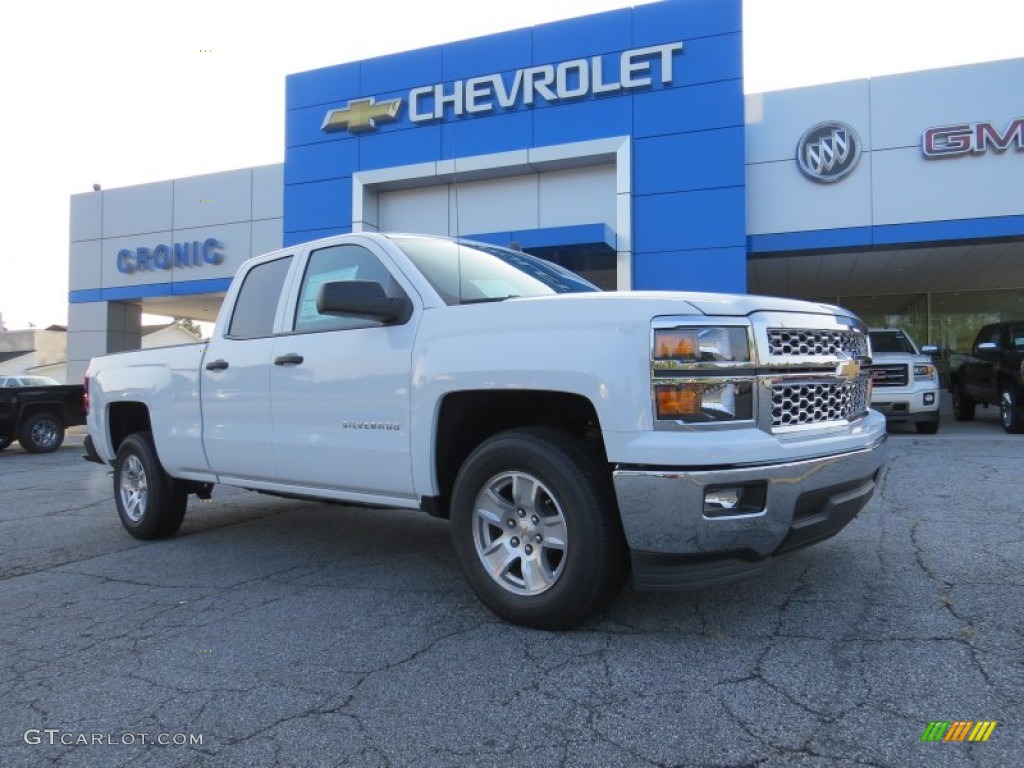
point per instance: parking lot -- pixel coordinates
(285, 633)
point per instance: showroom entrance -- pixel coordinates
(941, 293)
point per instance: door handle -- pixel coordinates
(291, 359)
(217, 365)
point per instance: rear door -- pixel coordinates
(235, 379)
(340, 385)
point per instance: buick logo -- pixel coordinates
(828, 151)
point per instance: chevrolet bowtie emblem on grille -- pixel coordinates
(361, 115)
(849, 369)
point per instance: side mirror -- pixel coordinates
(929, 349)
(362, 298)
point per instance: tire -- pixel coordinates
(963, 406)
(42, 433)
(149, 505)
(1010, 412)
(926, 427)
(558, 555)
(5, 440)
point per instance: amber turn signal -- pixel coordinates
(677, 401)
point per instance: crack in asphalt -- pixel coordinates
(947, 603)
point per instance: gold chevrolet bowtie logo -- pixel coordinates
(361, 115)
(848, 369)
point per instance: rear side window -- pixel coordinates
(256, 305)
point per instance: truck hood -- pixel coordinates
(685, 303)
(741, 304)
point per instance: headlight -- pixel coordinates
(702, 345)
(704, 400)
(923, 371)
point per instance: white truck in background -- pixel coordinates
(905, 380)
(571, 436)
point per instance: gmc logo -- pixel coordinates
(975, 138)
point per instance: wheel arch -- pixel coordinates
(467, 418)
(1006, 380)
(56, 409)
(126, 418)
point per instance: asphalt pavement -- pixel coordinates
(279, 633)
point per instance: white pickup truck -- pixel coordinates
(570, 435)
(905, 381)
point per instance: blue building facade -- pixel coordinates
(666, 80)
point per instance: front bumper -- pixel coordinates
(920, 405)
(676, 546)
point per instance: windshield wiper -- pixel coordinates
(491, 298)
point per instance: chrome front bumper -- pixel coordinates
(675, 545)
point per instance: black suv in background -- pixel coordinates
(992, 375)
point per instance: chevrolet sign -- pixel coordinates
(551, 83)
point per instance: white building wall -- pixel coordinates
(243, 209)
(894, 182)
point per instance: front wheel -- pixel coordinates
(926, 427)
(1010, 411)
(42, 433)
(536, 528)
(963, 406)
(149, 505)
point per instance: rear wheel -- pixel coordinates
(536, 528)
(1010, 411)
(149, 505)
(963, 406)
(41, 433)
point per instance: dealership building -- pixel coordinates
(620, 145)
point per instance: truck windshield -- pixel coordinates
(891, 341)
(465, 272)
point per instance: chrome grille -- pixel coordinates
(796, 403)
(889, 375)
(784, 342)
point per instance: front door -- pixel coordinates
(340, 386)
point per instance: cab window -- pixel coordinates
(337, 263)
